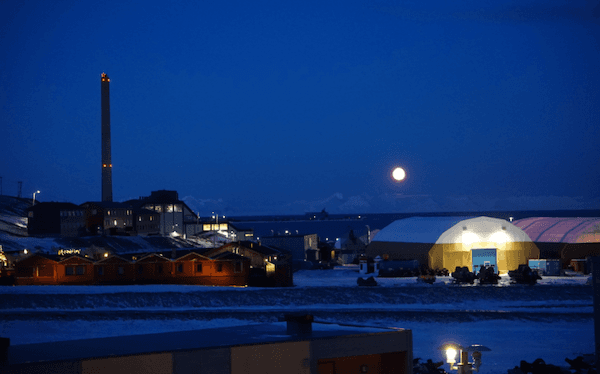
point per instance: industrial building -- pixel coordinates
(448, 242)
(56, 219)
(302, 247)
(565, 238)
(175, 217)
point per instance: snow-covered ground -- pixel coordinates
(551, 320)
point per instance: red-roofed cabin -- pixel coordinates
(152, 269)
(230, 269)
(191, 268)
(197, 269)
(75, 270)
(36, 269)
(114, 270)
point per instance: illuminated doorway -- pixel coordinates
(483, 257)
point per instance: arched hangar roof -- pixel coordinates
(483, 229)
(561, 230)
(449, 230)
(417, 229)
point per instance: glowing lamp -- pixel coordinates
(105, 254)
(463, 366)
(469, 238)
(450, 350)
(451, 355)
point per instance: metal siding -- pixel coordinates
(213, 361)
(161, 363)
(285, 357)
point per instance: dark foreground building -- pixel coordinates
(265, 348)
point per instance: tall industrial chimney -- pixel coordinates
(107, 194)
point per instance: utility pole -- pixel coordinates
(596, 288)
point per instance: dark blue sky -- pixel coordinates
(263, 107)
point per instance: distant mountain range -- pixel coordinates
(337, 203)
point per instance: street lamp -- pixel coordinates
(33, 203)
(463, 366)
(216, 217)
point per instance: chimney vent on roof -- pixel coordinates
(299, 324)
(4, 347)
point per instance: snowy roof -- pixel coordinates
(561, 230)
(417, 229)
(485, 229)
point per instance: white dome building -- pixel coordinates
(448, 242)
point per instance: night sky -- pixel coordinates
(252, 107)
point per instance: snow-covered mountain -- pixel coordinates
(339, 203)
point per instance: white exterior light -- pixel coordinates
(468, 238)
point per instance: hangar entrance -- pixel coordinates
(483, 257)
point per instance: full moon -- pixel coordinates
(399, 174)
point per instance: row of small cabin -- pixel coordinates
(222, 268)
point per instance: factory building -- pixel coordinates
(448, 242)
(175, 217)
